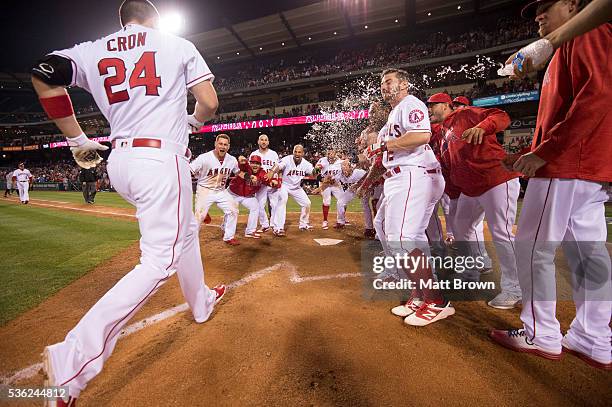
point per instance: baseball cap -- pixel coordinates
(461, 100)
(255, 159)
(529, 10)
(440, 98)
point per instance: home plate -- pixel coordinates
(328, 242)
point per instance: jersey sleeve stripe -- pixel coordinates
(200, 79)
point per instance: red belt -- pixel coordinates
(397, 170)
(147, 142)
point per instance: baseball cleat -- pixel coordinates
(207, 219)
(232, 242)
(517, 340)
(306, 228)
(263, 229)
(505, 301)
(369, 234)
(408, 308)
(325, 225)
(339, 225)
(220, 291)
(428, 313)
(279, 233)
(599, 364)
(254, 235)
(49, 380)
(485, 270)
(347, 222)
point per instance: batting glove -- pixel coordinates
(376, 149)
(84, 150)
(194, 123)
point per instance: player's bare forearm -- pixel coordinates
(207, 102)
(409, 140)
(591, 16)
(67, 125)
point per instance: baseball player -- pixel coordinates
(22, 177)
(213, 169)
(148, 167)
(486, 187)
(293, 169)
(348, 179)
(413, 185)
(570, 167)
(329, 167)
(269, 158)
(244, 187)
(9, 184)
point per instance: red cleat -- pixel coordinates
(220, 290)
(232, 242)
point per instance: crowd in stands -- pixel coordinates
(381, 55)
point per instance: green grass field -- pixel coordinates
(45, 249)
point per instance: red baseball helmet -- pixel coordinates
(440, 98)
(461, 100)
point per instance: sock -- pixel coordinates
(325, 212)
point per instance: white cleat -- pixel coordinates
(428, 313)
(505, 301)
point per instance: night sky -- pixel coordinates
(30, 29)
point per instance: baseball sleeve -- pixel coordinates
(196, 165)
(76, 57)
(196, 69)
(414, 116)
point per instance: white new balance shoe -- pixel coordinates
(429, 312)
(410, 307)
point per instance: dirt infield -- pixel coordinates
(283, 338)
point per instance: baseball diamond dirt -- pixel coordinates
(294, 329)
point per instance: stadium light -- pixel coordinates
(396, 20)
(335, 33)
(309, 38)
(458, 7)
(172, 22)
(283, 44)
(261, 48)
(218, 57)
(365, 26)
(429, 14)
(237, 53)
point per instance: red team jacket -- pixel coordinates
(440, 148)
(243, 188)
(574, 126)
(476, 168)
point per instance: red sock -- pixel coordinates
(325, 212)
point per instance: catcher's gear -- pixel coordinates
(84, 151)
(376, 149)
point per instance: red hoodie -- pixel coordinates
(574, 127)
(476, 168)
(242, 187)
(440, 148)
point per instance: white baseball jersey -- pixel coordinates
(329, 169)
(268, 159)
(22, 175)
(409, 115)
(292, 173)
(150, 69)
(213, 173)
(9, 177)
(357, 174)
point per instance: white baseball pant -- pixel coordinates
(23, 187)
(262, 198)
(498, 205)
(568, 213)
(280, 211)
(481, 249)
(206, 197)
(253, 206)
(345, 199)
(158, 184)
(327, 193)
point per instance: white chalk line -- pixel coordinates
(32, 370)
(83, 210)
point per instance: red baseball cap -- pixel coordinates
(529, 10)
(440, 98)
(255, 159)
(461, 100)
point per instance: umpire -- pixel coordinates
(88, 178)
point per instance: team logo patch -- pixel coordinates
(416, 116)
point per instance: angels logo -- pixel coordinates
(416, 116)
